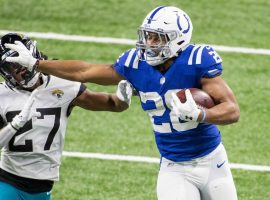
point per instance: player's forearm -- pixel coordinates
(112, 103)
(68, 69)
(97, 101)
(80, 71)
(118, 105)
(222, 114)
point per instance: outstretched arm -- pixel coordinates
(103, 74)
(76, 70)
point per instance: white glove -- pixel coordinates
(124, 91)
(25, 57)
(20, 119)
(187, 111)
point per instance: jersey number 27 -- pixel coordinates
(28, 146)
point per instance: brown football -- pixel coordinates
(201, 97)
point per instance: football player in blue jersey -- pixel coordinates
(194, 164)
(32, 144)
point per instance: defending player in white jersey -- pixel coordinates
(34, 110)
(194, 163)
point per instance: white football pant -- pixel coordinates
(205, 178)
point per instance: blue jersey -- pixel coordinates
(176, 140)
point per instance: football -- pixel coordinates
(201, 97)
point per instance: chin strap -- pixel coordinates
(32, 82)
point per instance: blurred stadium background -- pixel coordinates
(230, 23)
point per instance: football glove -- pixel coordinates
(20, 119)
(25, 57)
(187, 111)
(124, 91)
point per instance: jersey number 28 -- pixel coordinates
(162, 105)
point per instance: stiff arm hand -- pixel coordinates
(124, 91)
(25, 57)
(187, 111)
(18, 121)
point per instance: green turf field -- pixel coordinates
(242, 23)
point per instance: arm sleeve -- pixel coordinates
(212, 71)
(80, 91)
(211, 65)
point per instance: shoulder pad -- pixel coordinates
(129, 58)
(203, 56)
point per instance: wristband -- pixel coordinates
(203, 115)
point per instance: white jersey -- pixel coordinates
(35, 150)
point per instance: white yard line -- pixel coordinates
(80, 38)
(153, 160)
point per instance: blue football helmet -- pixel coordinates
(172, 28)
